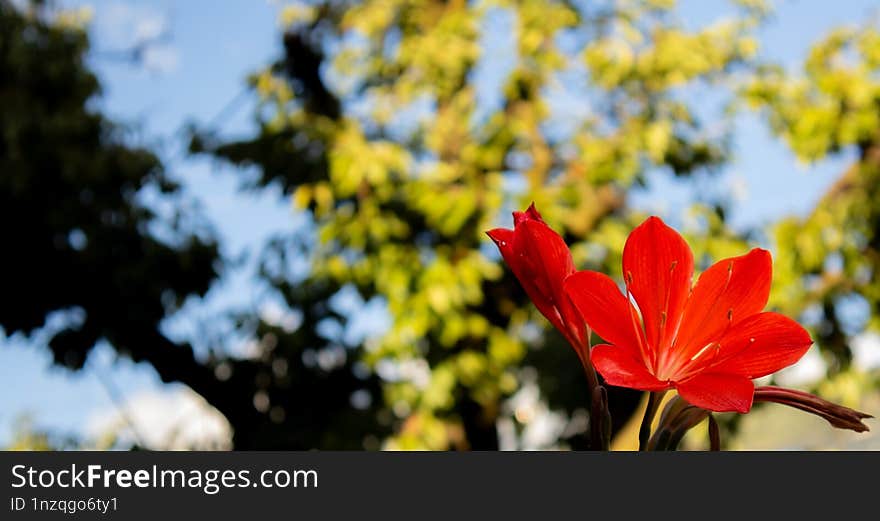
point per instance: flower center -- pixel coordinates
(675, 369)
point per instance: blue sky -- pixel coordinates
(200, 68)
(190, 77)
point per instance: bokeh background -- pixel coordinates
(259, 224)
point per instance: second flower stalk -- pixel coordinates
(541, 261)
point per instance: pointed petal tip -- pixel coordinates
(500, 236)
(532, 211)
(654, 221)
(762, 254)
(655, 228)
(657, 225)
(530, 214)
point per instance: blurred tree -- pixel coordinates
(827, 263)
(85, 247)
(404, 129)
(81, 239)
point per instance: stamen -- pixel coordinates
(679, 358)
(714, 348)
(701, 351)
(663, 352)
(636, 324)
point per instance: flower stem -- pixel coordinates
(654, 400)
(600, 417)
(714, 434)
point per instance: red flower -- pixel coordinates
(708, 342)
(541, 261)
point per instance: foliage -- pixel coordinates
(70, 201)
(403, 129)
(93, 260)
(827, 262)
(377, 123)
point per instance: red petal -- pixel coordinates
(604, 308)
(718, 392)
(545, 252)
(727, 292)
(658, 267)
(622, 366)
(762, 344)
(545, 258)
(541, 261)
(531, 213)
(503, 238)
